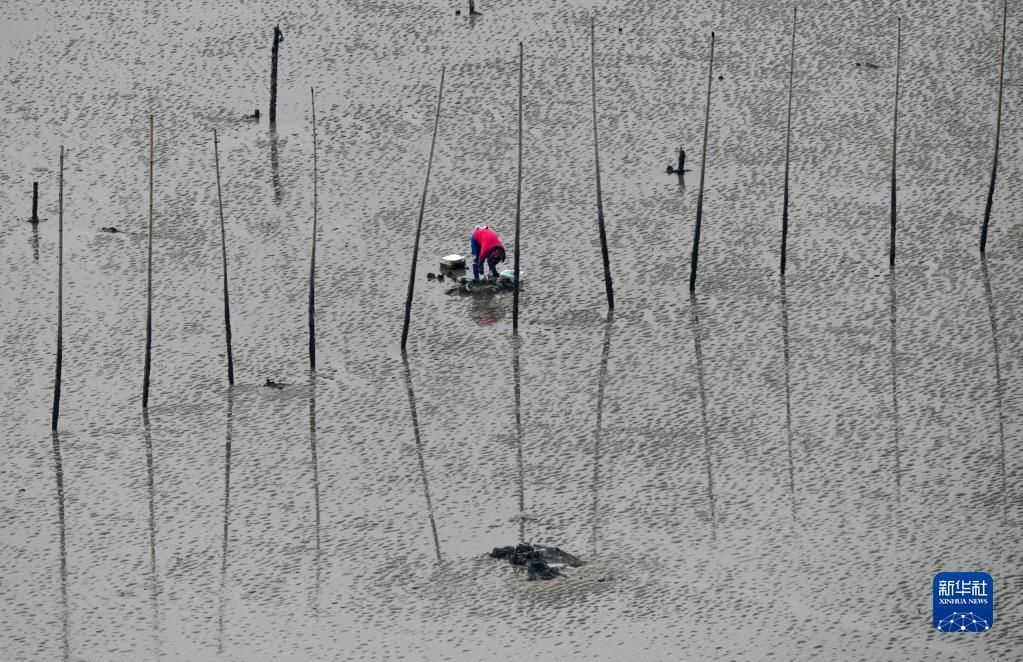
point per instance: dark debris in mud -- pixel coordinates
(540, 561)
(484, 286)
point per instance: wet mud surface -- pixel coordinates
(771, 470)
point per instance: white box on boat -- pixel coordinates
(452, 261)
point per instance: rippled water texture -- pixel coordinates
(772, 471)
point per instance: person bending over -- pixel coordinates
(486, 249)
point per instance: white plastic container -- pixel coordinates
(452, 261)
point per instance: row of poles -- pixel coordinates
(608, 284)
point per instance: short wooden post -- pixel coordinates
(35, 203)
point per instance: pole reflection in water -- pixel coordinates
(788, 394)
(895, 386)
(227, 511)
(516, 370)
(998, 384)
(154, 589)
(419, 454)
(316, 485)
(35, 242)
(598, 426)
(59, 470)
(275, 165)
(703, 410)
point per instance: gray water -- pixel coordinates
(772, 471)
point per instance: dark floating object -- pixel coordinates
(111, 230)
(272, 384)
(721, 77)
(253, 116)
(430, 276)
(540, 561)
(458, 12)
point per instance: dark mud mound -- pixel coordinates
(539, 561)
(484, 287)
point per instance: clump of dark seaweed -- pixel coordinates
(540, 561)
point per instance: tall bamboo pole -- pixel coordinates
(223, 255)
(788, 140)
(419, 225)
(149, 280)
(608, 288)
(703, 169)
(312, 259)
(55, 412)
(998, 133)
(895, 133)
(518, 207)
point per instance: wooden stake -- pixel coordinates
(223, 255)
(788, 140)
(419, 225)
(998, 133)
(518, 207)
(703, 169)
(596, 162)
(895, 133)
(149, 280)
(278, 38)
(55, 412)
(35, 203)
(312, 260)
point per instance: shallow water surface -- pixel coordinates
(769, 470)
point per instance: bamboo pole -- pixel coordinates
(609, 289)
(998, 133)
(703, 169)
(419, 225)
(518, 207)
(788, 140)
(55, 412)
(223, 255)
(312, 260)
(149, 280)
(895, 133)
(278, 38)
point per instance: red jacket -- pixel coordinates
(488, 241)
